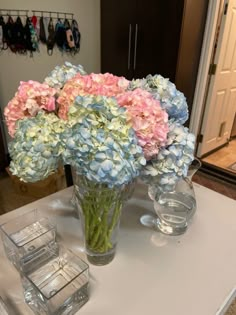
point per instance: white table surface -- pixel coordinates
(191, 274)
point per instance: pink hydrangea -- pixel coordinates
(31, 97)
(97, 84)
(148, 119)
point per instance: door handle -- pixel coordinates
(135, 44)
(129, 45)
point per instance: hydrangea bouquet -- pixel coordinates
(110, 130)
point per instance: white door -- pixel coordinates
(221, 98)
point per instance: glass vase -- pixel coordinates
(175, 206)
(128, 190)
(29, 240)
(99, 211)
(58, 287)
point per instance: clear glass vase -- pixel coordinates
(175, 206)
(99, 211)
(128, 190)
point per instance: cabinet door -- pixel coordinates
(117, 31)
(3, 155)
(157, 31)
(3, 161)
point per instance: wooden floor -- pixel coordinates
(215, 184)
(11, 198)
(223, 157)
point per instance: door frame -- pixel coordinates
(204, 64)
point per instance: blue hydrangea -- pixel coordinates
(100, 144)
(172, 100)
(61, 74)
(36, 149)
(172, 161)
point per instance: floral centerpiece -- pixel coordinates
(110, 130)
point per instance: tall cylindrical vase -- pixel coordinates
(99, 211)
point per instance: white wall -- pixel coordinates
(15, 68)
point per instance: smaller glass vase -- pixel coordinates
(174, 207)
(59, 286)
(29, 240)
(99, 210)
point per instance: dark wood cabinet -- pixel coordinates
(3, 154)
(117, 21)
(140, 37)
(164, 37)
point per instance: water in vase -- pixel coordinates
(174, 211)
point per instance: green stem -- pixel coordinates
(115, 217)
(101, 241)
(99, 223)
(100, 236)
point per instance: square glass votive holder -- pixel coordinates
(29, 240)
(3, 308)
(59, 287)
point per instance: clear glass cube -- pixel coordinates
(29, 240)
(59, 287)
(3, 308)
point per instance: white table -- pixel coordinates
(191, 274)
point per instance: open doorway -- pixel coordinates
(213, 117)
(223, 159)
